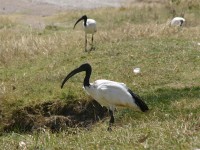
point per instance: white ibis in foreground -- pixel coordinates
(108, 93)
(89, 26)
(177, 21)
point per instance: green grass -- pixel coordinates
(33, 63)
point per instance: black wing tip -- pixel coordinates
(139, 102)
(145, 108)
(142, 105)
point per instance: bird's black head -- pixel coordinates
(84, 67)
(181, 22)
(84, 17)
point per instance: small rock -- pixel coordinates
(22, 145)
(136, 70)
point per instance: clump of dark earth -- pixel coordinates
(56, 116)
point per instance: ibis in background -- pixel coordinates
(177, 21)
(89, 26)
(108, 93)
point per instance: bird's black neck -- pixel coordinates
(85, 21)
(87, 76)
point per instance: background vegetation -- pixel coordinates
(34, 61)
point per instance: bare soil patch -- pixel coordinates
(56, 116)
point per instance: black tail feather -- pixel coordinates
(141, 104)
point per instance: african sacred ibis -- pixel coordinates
(108, 93)
(177, 21)
(89, 26)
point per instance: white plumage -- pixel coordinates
(89, 26)
(177, 21)
(108, 93)
(111, 94)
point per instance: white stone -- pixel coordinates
(136, 70)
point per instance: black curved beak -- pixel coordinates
(84, 67)
(71, 74)
(78, 21)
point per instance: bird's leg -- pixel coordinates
(92, 48)
(85, 42)
(111, 120)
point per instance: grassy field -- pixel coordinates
(33, 63)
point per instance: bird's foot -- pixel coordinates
(92, 48)
(109, 129)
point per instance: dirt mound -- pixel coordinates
(56, 116)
